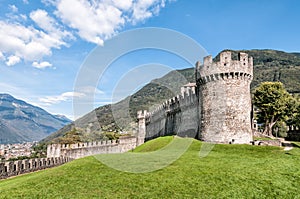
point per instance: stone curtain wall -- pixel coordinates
(175, 116)
(80, 150)
(13, 168)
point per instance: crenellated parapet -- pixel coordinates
(87, 144)
(52, 148)
(142, 114)
(293, 133)
(226, 68)
(174, 105)
(79, 150)
(13, 168)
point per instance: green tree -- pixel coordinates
(295, 119)
(70, 137)
(274, 104)
(39, 150)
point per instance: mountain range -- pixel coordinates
(23, 122)
(269, 65)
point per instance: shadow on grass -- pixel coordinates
(295, 144)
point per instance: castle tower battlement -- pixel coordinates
(141, 114)
(225, 68)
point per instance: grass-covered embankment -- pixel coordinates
(229, 171)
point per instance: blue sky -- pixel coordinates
(43, 45)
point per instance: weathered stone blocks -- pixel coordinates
(224, 95)
(79, 150)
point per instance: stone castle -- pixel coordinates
(217, 108)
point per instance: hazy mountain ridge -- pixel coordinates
(269, 65)
(21, 121)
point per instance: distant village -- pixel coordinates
(13, 151)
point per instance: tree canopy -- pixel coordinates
(274, 104)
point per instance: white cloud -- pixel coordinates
(87, 90)
(144, 9)
(41, 65)
(29, 43)
(12, 60)
(92, 20)
(43, 20)
(49, 25)
(123, 4)
(60, 98)
(24, 42)
(15, 17)
(90, 92)
(96, 21)
(23, 17)
(2, 56)
(13, 8)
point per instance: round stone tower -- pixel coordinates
(224, 98)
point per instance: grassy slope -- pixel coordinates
(229, 171)
(154, 145)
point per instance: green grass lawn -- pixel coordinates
(264, 138)
(229, 171)
(153, 145)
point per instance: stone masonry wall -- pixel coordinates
(224, 90)
(175, 116)
(13, 168)
(80, 150)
